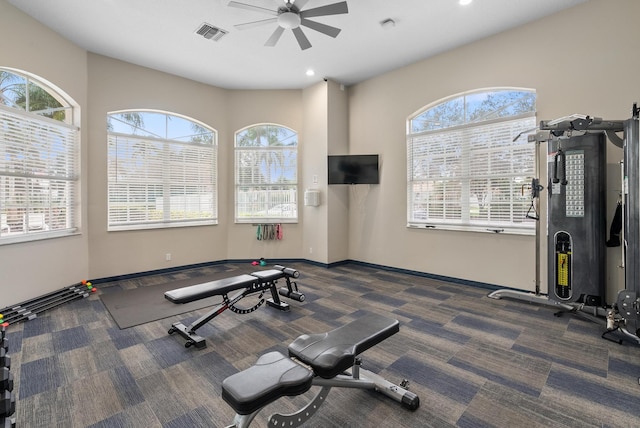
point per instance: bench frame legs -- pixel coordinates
(358, 378)
(189, 332)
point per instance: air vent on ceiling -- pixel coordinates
(208, 31)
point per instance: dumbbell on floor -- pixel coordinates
(7, 422)
(7, 403)
(6, 380)
(5, 359)
(7, 397)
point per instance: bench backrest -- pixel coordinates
(330, 354)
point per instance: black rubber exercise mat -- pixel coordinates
(147, 303)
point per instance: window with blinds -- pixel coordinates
(469, 162)
(266, 174)
(39, 147)
(162, 171)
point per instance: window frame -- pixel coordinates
(277, 195)
(457, 147)
(133, 201)
(37, 118)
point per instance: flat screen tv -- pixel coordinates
(353, 169)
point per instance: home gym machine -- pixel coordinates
(576, 221)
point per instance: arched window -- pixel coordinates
(266, 174)
(39, 150)
(162, 171)
(466, 166)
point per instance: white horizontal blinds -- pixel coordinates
(192, 182)
(266, 182)
(498, 170)
(266, 165)
(38, 174)
(155, 181)
(136, 168)
(464, 169)
(434, 186)
(471, 175)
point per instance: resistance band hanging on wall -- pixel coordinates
(269, 232)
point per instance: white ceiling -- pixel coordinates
(160, 34)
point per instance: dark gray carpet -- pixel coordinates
(474, 362)
(146, 304)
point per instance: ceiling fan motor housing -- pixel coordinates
(290, 17)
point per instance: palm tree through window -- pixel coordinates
(39, 151)
(266, 178)
(162, 171)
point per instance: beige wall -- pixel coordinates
(35, 268)
(116, 85)
(247, 108)
(579, 61)
(326, 232)
(337, 224)
(583, 60)
(315, 136)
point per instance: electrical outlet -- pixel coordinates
(310, 250)
(167, 256)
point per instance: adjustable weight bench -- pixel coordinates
(257, 282)
(327, 360)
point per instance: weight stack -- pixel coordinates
(576, 219)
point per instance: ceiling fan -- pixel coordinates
(291, 16)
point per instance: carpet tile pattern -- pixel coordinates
(473, 361)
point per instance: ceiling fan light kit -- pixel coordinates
(291, 16)
(289, 20)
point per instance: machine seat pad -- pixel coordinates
(330, 354)
(207, 289)
(273, 376)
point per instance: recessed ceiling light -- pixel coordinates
(310, 72)
(465, 2)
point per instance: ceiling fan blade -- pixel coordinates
(299, 4)
(254, 24)
(301, 38)
(330, 9)
(323, 28)
(252, 7)
(274, 37)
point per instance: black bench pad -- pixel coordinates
(269, 275)
(273, 376)
(208, 289)
(221, 286)
(330, 354)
